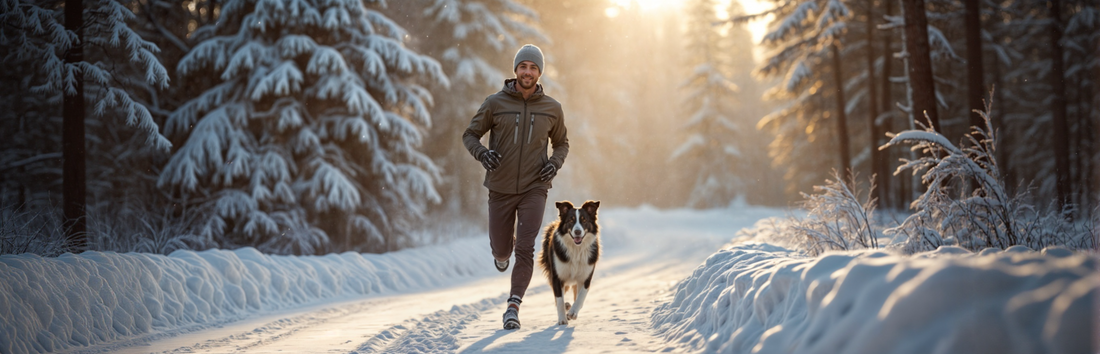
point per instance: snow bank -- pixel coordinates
(52, 304)
(48, 304)
(761, 298)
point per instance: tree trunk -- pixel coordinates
(1089, 178)
(920, 63)
(1075, 145)
(974, 68)
(74, 184)
(1001, 126)
(975, 85)
(1093, 182)
(841, 119)
(888, 107)
(1058, 104)
(878, 158)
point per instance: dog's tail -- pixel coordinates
(546, 256)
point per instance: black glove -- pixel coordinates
(490, 159)
(548, 172)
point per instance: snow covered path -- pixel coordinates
(646, 251)
(464, 318)
(616, 318)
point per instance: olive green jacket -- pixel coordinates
(520, 130)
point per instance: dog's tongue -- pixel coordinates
(577, 240)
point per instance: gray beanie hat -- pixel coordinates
(529, 52)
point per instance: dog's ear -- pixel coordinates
(591, 206)
(564, 207)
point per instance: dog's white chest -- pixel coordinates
(576, 270)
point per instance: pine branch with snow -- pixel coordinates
(799, 44)
(35, 33)
(480, 32)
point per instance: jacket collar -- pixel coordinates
(510, 89)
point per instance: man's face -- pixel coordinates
(527, 74)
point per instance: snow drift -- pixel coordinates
(49, 304)
(761, 298)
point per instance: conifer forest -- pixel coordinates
(325, 126)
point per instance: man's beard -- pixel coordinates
(526, 87)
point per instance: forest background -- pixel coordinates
(310, 127)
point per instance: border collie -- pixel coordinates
(570, 249)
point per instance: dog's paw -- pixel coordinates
(563, 322)
(567, 306)
(571, 315)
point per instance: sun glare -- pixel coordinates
(757, 27)
(647, 5)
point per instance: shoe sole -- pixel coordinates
(511, 324)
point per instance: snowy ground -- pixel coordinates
(440, 298)
(756, 297)
(661, 286)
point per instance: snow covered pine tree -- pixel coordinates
(308, 142)
(713, 141)
(799, 47)
(115, 66)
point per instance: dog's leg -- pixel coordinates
(582, 291)
(572, 288)
(561, 311)
(555, 284)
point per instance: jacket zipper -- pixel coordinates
(531, 128)
(519, 164)
(515, 135)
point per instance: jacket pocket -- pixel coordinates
(504, 124)
(541, 123)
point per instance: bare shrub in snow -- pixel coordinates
(126, 228)
(838, 219)
(139, 224)
(145, 228)
(986, 216)
(29, 231)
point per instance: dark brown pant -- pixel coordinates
(505, 234)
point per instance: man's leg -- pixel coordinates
(502, 220)
(529, 210)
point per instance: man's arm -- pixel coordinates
(559, 141)
(479, 125)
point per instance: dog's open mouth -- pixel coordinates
(577, 240)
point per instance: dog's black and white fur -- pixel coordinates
(570, 249)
